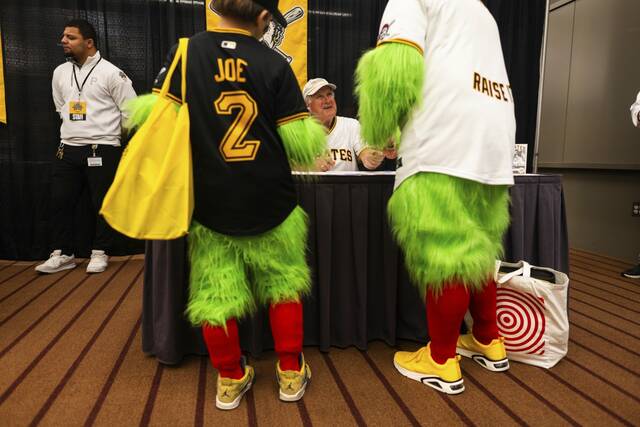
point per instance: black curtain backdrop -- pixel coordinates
(135, 35)
(521, 24)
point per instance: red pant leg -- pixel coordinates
(445, 313)
(224, 349)
(483, 310)
(287, 330)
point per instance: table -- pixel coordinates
(361, 291)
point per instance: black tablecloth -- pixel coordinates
(361, 291)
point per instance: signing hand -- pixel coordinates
(390, 151)
(325, 163)
(371, 158)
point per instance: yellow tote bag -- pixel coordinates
(151, 196)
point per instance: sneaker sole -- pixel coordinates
(294, 397)
(490, 365)
(96, 271)
(55, 270)
(236, 402)
(433, 381)
(631, 276)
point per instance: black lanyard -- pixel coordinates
(85, 79)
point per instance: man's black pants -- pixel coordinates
(70, 175)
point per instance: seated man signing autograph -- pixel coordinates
(345, 146)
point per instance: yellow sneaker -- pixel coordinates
(230, 391)
(419, 366)
(492, 356)
(293, 383)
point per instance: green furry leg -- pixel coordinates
(389, 82)
(449, 228)
(277, 260)
(219, 284)
(304, 140)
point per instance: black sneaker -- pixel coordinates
(632, 273)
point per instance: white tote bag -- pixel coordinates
(532, 312)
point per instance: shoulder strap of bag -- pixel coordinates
(184, 45)
(524, 271)
(181, 52)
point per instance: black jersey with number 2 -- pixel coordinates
(238, 91)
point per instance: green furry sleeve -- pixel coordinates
(389, 83)
(138, 109)
(304, 140)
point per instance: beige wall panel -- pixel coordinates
(605, 77)
(556, 85)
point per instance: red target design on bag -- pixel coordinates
(521, 321)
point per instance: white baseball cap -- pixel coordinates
(314, 85)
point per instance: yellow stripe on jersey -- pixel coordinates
(403, 41)
(171, 97)
(333, 125)
(230, 30)
(289, 119)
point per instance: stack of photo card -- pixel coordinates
(520, 159)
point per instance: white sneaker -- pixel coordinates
(56, 262)
(98, 262)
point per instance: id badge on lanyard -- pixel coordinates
(94, 161)
(78, 108)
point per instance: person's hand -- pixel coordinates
(390, 151)
(371, 158)
(324, 163)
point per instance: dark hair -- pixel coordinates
(85, 28)
(244, 10)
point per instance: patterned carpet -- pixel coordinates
(70, 355)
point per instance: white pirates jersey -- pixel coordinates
(344, 144)
(465, 126)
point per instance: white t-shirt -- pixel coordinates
(94, 115)
(465, 126)
(344, 144)
(635, 109)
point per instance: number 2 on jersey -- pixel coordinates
(233, 146)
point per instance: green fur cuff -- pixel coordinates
(389, 83)
(138, 109)
(303, 140)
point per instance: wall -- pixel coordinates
(599, 211)
(592, 75)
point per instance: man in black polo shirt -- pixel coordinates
(247, 241)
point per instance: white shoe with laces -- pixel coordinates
(57, 262)
(98, 263)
